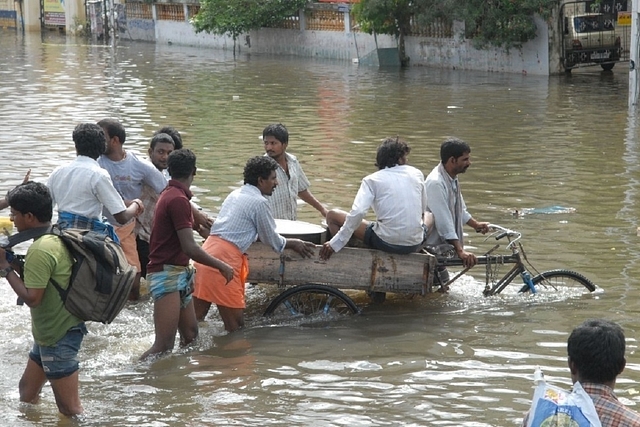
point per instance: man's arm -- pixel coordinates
(202, 223)
(438, 205)
(196, 253)
(153, 177)
(309, 198)
(361, 204)
(4, 203)
(480, 227)
(134, 209)
(31, 296)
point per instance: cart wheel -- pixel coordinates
(311, 300)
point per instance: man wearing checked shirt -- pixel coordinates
(292, 182)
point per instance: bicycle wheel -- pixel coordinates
(555, 280)
(311, 300)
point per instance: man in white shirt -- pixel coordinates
(292, 182)
(397, 194)
(82, 188)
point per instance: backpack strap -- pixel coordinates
(32, 233)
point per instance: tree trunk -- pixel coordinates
(402, 53)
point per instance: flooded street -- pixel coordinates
(562, 151)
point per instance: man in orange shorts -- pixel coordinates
(244, 216)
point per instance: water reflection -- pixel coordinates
(458, 359)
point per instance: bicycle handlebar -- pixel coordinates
(501, 232)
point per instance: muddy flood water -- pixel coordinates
(562, 151)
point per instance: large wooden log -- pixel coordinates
(351, 268)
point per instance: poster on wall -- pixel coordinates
(96, 18)
(54, 13)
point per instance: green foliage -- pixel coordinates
(234, 17)
(384, 16)
(504, 23)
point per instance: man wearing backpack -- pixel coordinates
(171, 246)
(57, 333)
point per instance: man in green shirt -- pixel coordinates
(57, 333)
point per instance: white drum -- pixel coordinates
(301, 230)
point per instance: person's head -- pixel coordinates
(260, 171)
(276, 139)
(596, 351)
(392, 152)
(161, 146)
(455, 155)
(174, 134)
(182, 164)
(89, 140)
(115, 133)
(31, 205)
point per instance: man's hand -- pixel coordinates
(27, 176)
(201, 219)
(3, 259)
(326, 251)
(468, 259)
(139, 207)
(482, 227)
(300, 246)
(227, 272)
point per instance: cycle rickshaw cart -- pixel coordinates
(313, 287)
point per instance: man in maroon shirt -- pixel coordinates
(171, 246)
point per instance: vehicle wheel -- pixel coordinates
(559, 279)
(608, 67)
(311, 300)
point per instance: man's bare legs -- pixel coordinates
(65, 389)
(168, 318)
(335, 220)
(233, 318)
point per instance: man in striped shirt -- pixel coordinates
(244, 216)
(596, 358)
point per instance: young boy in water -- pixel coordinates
(57, 333)
(171, 246)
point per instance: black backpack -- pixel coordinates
(101, 278)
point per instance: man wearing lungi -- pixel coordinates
(245, 215)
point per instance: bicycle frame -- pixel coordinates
(490, 260)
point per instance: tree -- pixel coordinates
(387, 17)
(503, 23)
(235, 17)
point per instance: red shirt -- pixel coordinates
(173, 213)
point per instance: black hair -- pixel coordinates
(453, 147)
(596, 347)
(278, 131)
(113, 128)
(258, 167)
(162, 137)
(32, 197)
(89, 140)
(181, 163)
(390, 152)
(174, 134)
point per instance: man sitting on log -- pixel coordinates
(397, 194)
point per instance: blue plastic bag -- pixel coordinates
(555, 407)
